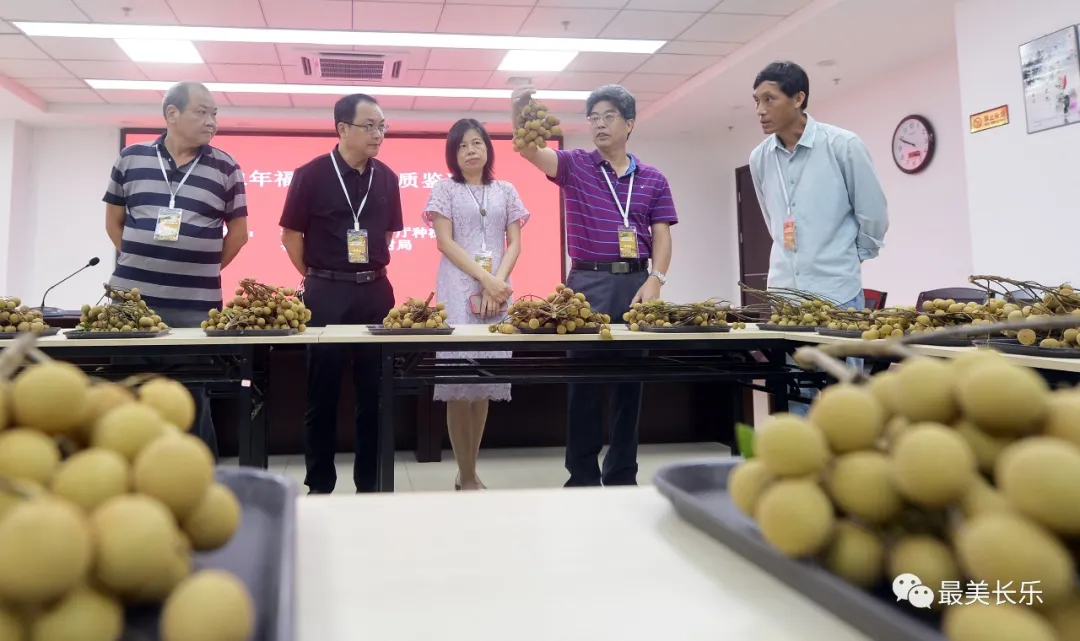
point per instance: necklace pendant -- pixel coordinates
(483, 212)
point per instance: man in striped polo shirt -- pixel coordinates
(166, 207)
(618, 217)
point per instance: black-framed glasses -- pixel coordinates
(371, 129)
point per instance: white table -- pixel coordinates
(609, 564)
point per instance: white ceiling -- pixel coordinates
(714, 48)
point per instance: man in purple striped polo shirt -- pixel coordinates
(618, 217)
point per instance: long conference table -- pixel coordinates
(749, 359)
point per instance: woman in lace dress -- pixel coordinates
(477, 222)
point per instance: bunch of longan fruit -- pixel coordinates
(259, 307)
(664, 314)
(960, 471)
(564, 310)
(806, 313)
(417, 313)
(126, 311)
(535, 127)
(16, 317)
(103, 496)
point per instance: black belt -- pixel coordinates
(348, 277)
(615, 267)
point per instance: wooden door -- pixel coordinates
(755, 243)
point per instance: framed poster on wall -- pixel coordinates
(1051, 71)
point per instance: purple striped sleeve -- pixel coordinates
(663, 205)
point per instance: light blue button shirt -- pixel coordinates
(836, 202)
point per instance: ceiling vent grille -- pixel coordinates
(338, 66)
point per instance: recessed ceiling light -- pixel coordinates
(334, 90)
(342, 38)
(826, 63)
(527, 60)
(175, 51)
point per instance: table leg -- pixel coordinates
(248, 456)
(386, 421)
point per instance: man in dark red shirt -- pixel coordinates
(340, 214)
(618, 217)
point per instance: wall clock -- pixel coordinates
(913, 144)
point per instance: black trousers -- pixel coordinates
(608, 294)
(342, 303)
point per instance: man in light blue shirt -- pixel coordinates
(819, 193)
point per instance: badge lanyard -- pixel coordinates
(483, 215)
(783, 184)
(173, 192)
(625, 212)
(356, 214)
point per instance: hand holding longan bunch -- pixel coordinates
(126, 311)
(417, 314)
(564, 310)
(103, 496)
(260, 307)
(963, 470)
(533, 124)
(16, 317)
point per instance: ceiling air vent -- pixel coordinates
(338, 66)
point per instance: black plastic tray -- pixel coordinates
(49, 331)
(769, 327)
(685, 329)
(698, 491)
(929, 338)
(839, 333)
(262, 554)
(250, 332)
(555, 330)
(1013, 346)
(379, 330)
(75, 334)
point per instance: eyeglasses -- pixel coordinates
(609, 118)
(371, 129)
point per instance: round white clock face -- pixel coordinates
(912, 145)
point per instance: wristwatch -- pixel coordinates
(659, 276)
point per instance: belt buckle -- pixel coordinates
(360, 278)
(620, 268)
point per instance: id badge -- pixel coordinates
(628, 242)
(484, 259)
(358, 246)
(789, 234)
(168, 224)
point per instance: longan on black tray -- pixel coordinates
(662, 316)
(535, 127)
(960, 472)
(124, 314)
(104, 498)
(1029, 300)
(415, 317)
(790, 310)
(562, 312)
(16, 319)
(259, 309)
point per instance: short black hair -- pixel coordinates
(789, 76)
(345, 108)
(179, 95)
(616, 95)
(453, 141)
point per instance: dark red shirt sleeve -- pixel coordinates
(296, 213)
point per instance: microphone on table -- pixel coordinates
(56, 311)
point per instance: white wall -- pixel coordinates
(61, 223)
(1022, 188)
(928, 244)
